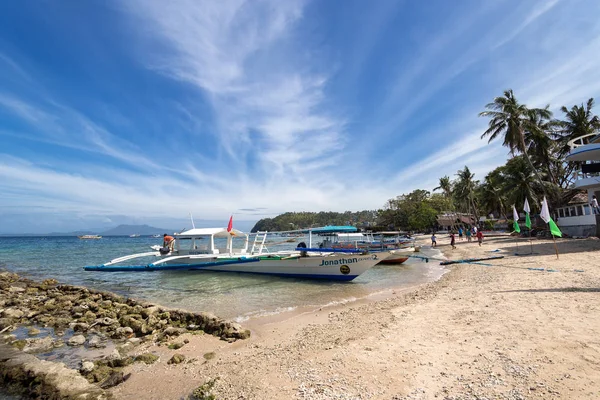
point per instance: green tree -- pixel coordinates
(445, 186)
(464, 189)
(511, 119)
(579, 121)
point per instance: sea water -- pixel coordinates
(228, 295)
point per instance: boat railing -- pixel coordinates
(583, 140)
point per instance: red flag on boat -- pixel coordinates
(230, 224)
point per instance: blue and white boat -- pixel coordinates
(223, 250)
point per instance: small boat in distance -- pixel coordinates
(134, 235)
(90, 237)
(155, 236)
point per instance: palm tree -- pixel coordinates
(518, 183)
(538, 143)
(464, 188)
(445, 186)
(508, 117)
(579, 121)
(490, 194)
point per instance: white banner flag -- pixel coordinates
(526, 206)
(515, 213)
(545, 213)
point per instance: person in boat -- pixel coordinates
(168, 241)
(594, 205)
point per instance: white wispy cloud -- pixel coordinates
(241, 54)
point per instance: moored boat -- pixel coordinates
(397, 246)
(229, 250)
(85, 237)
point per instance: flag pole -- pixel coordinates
(530, 241)
(555, 246)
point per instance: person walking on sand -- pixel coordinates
(452, 240)
(594, 205)
(468, 234)
(479, 237)
(460, 233)
(433, 240)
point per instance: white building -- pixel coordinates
(579, 219)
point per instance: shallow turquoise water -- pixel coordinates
(228, 295)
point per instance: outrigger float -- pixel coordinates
(198, 249)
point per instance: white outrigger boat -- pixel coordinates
(398, 248)
(197, 249)
(89, 237)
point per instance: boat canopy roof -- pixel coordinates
(216, 232)
(333, 229)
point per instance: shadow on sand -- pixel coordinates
(544, 247)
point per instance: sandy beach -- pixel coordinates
(505, 331)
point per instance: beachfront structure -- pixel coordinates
(579, 219)
(449, 220)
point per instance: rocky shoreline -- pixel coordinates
(40, 318)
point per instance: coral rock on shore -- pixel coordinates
(45, 379)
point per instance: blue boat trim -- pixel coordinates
(167, 267)
(339, 277)
(327, 250)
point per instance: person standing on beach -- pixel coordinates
(480, 237)
(452, 240)
(460, 233)
(468, 234)
(594, 205)
(433, 240)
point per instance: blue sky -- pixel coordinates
(144, 111)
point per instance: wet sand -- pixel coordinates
(507, 331)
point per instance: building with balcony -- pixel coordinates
(578, 218)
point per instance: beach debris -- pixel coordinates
(76, 340)
(203, 392)
(176, 359)
(12, 313)
(115, 378)
(97, 342)
(87, 367)
(147, 358)
(39, 345)
(176, 346)
(210, 356)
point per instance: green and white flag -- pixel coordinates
(545, 215)
(516, 220)
(527, 211)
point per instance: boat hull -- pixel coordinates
(342, 267)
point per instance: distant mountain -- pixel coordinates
(144, 230)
